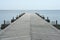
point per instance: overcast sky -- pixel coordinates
(29, 4)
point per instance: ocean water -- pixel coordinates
(8, 14)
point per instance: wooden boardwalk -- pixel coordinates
(30, 27)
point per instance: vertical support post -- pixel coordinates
(4, 22)
(56, 22)
(13, 18)
(47, 18)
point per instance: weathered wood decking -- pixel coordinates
(30, 27)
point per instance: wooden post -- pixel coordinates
(13, 18)
(47, 18)
(4, 22)
(56, 22)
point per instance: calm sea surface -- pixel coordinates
(8, 14)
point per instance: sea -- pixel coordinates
(7, 15)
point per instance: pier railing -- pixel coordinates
(56, 25)
(4, 25)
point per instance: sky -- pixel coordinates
(29, 4)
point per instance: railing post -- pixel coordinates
(4, 22)
(48, 20)
(56, 22)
